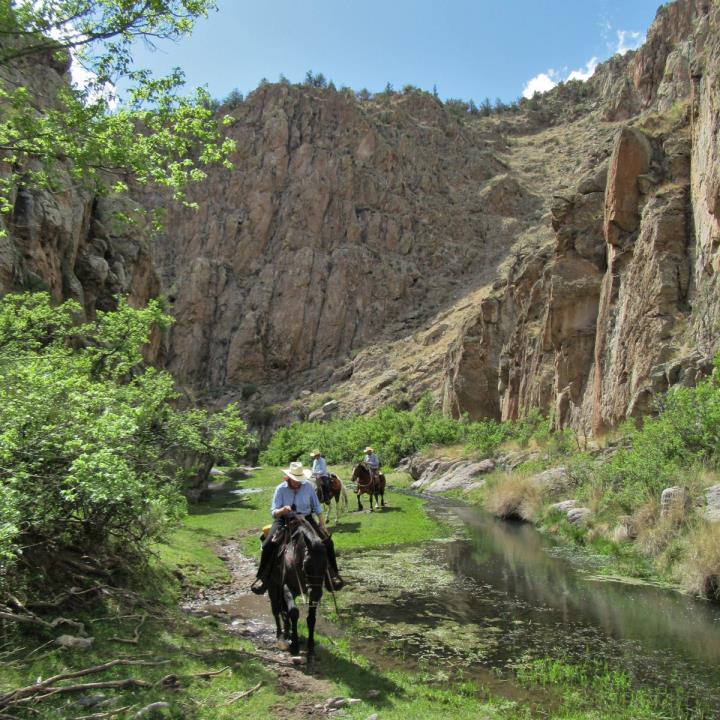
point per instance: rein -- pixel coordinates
(364, 486)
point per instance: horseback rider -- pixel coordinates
(372, 463)
(294, 495)
(321, 474)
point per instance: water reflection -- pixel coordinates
(541, 606)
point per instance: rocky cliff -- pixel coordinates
(69, 241)
(622, 304)
(563, 255)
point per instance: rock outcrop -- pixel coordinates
(561, 256)
(72, 243)
(587, 329)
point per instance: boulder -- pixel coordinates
(553, 480)
(578, 516)
(460, 476)
(712, 498)
(674, 499)
(330, 406)
(563, 506)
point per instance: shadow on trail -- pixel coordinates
(346, 528)
(333, 666)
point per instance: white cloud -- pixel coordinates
(548, 80)
(628, 40)
(541, 83)
(584, 73)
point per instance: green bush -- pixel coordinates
(89, 437)
(685, 433)
(394, 433)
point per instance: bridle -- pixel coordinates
(366, 486)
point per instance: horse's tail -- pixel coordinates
(343, 500)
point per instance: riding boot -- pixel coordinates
(263, 573)
(335, 582)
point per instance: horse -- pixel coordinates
(337, 493)
(365, 483)
(301, 567)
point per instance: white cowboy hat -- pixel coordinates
(368, 449)
(297, 472)
(315, 452)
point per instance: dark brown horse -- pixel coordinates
(300, 568)
(337, 493)
(365, 483)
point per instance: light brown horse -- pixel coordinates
(365, 483)
(337, 493)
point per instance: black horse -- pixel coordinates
(365, 483)
(300, 568)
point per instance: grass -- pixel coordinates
(592, 691)
(185, 646)
(190, 549)
(513, 496)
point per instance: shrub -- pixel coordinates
(88, 435)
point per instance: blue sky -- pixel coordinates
(467, 49)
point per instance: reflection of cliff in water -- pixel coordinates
(544, 607)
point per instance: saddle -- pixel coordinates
(294, 529)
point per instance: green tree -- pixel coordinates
(88, 135)
(89, 436)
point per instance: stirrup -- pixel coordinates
(258, 587)
(336, 582)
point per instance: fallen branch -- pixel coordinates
(210, 673)
(136, 634)
(106, 714)
(45, 686)
(125, 684)
(34, 620)
(173, 680)
(246, 693)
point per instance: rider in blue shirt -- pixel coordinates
(321, 474)
(294, 495)
(372, 461)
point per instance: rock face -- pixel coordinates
(563, 256)
(340, 219)
(72, 243)
(589, 327)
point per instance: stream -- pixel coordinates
(503, 594)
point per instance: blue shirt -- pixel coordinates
(320, 467)
(372, 460)
(304, 499)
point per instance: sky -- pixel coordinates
(466, 49)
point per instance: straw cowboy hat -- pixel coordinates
(297, 472)
(315, 452)
(368, 449)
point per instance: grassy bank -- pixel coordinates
(189, 650)
(241, 516)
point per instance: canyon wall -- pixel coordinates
(562, 254)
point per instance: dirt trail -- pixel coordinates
(248, 616)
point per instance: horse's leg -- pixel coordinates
(293, 614)
(311, 617)
(371, 495)
(275, 606)
(360, 506)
